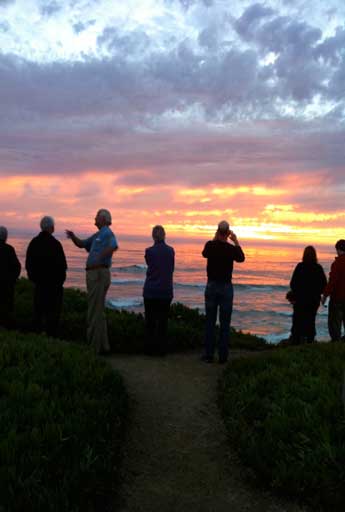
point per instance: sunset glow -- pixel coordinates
(175, 112)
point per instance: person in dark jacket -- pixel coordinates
(46, 267)
(158, 291)
(307, 284)
(335, 289)
(219, 292)
(9, 272)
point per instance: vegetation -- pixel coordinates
(61, 419)
(284, 413)
(126, 329)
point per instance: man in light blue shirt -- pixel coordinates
(100, 247)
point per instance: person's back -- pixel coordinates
(9, 264)
(308, 282)
(336, 284)
(158, 292)
(46, 267)
(160, 268)
(45, 261)
(220, 255)
(220, 260)
(335, 289)
(9, 272)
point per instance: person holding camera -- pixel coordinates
(220, 255)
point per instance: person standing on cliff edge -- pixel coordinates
(100, 246)
(220, 255)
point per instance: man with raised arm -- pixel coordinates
(100, 247)
(219, 293)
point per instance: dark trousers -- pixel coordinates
(47, 308)
(336, 318)
(156, 323)
(218, 296)
(6, 304)
(303, 322)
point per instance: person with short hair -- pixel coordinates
(335, 289)
(100, 246)
(307, 284)
(9, 272)
(46, 267)
(220, 255)
(158, 291)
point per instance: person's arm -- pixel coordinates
(239, 254)
(77, 241)
(330, 285)
(30, 262)
(294, 278)
(205, 251)
(16, 266)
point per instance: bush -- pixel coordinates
(62, 412)
(126, 329)
(284, 413)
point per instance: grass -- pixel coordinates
(127, 329)
(285, 415)
(62, 415)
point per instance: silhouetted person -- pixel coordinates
(158, 291)
(9, 272)
(100, 247)
(335, 289)
(219, 292)
(46, 267)
(307, 284)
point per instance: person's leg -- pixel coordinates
(211, 308)
(54, 298)
(225, 312)
(7, 305)
(39, 308)
(310, 330)
(334, 320)
(163, 307)
(98, 282)
(296, 324)
(150, 326)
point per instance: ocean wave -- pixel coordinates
(127, 281)
(241, 286)
(129, 302)
(131, 268)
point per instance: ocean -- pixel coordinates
(260, 283)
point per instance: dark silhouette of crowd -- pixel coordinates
(46, 267)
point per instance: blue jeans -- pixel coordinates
(218, 295)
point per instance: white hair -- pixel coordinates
(105, 214)
(3, 233)
(47, 223)
(158, 233)
(223, 227)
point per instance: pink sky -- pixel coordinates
(178, 113)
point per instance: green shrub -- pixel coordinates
(62, 412)
(126, 329)
(284, 413)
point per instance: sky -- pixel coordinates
(174, 112)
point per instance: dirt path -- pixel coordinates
(177, 458)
